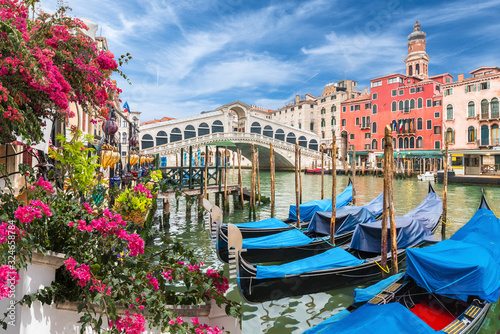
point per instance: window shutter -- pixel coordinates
(474, 87)
(488, 85)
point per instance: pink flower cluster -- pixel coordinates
(82, 274)
(6, 230)
(111, 224)
(88, 208)
(153, 281)
(26, 214)
(106, 61)
(46, 185)
(129, 325)
(101, 287)
(178, 320)
(142, 189)
(221, 287)
(8, 279)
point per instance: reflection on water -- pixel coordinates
(296, 314)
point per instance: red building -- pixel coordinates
(411, 104)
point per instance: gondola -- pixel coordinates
(336, 267)
(317, 171)
(293, 244)
(448, 287)
(275, 225)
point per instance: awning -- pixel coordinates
(359, 152)
(222, 143)
(416, 154)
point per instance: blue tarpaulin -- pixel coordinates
(380, 319)
(468, 264)
(349, 216)
(333, 258)
(322, 327)
(412, 228)
(284, 239)
(308, 209)
(266, 223)
(364, 295)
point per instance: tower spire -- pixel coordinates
(417, 60)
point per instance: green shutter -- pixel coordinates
(474, 87)
(488, 85)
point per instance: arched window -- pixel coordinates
(449, 112)
(400, 142)
(494, 135)
(374, 144)
(290, 138)
(417, 69)
(394, 142)
(374, 127)
(401, 105)
(420, 103)
(161, 138)
(268, 131)
(420, 142)
(485, 106)
(420, 123)
(412, 104)
(471, 134)
(124, 137)
(412, 142)
(394, 106)
(303, 141)
(189, 132)
(407, 105)
(255, 128)
(410, 71)
(471, 109)
(407, 143)
(217, 126)
(450, 135)
(175, 135)
(323, 111)
(147, 142)
(494, 107)
(382, 142)
(203, 129)
(485, 135)
(313, 144)
(280, 135)
(374, 109)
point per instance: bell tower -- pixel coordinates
(417, 60)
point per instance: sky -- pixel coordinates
(191, 56)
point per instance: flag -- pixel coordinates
(400, 126)
(126, 108)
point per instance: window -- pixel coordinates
(323, 100)
(437, 129)
(484, 85)
(410, 72)
(357, 121)
(394, 106)
(401, 105)
(292, 109)
(322, 111)
(374, 144)
(420, 89)
(419, 124)
(412, 90)
(374, 127)
(407, 143)
(394, 80)
(450, 136)
(485, 106)
(357, 107)
(420, 103)
(437, 144)
(368, 135)
(311, 105)
(429, 124)
(311, 126)
(437, 114)
(394, 92)
(420, 142)
(412, 142)
(400, 142)
(323, 135)
(429, 103)
(300, 107)
(374, 109)
(334, 97)
(333, 121)
(471, 110)
(352, 108)
(437, 103)
(471, 134)
(333, 109)
(448, 91)
(376, 83)
(323, 123)
(351, 136)
(494, 135)
(407, 106)
(494, 107)
(412, 104)
(300, 126)
(401, 92)
(449, 112)
(344, 121)
(162, 138)
(469, 88)
(343, 109)
(374, 96)
(368, 105)
(448, 79)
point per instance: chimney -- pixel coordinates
(460, 77)
(297, 98)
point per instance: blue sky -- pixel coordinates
(196, 55)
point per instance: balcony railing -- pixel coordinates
(366, 125)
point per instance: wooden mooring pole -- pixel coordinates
(322, 174)
(385, 214)
(253, 182)
(240, 179)
(390, 192)
(273, 189)
(297, 197)
(353, 167)
(226, 200)
(334, 188)
(445, 191)
(234, 153)
(257, 165)
(300, 176)
(206, 172)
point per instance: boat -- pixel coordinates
(448, 287)
(317, 171)
(427, 176)
(336, 267)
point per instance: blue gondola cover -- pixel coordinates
(352, 216)
(364, 295)
(333, 258)
(468, 264)
(412, 228)
(308, 209)
(266, 223)
(284, 239)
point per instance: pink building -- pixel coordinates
(471, 118)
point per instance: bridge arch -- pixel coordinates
(147, 141)
(175, 135)
(217, 126)
(161, 138)
(280, 135)
(255, 128)
(203, 129)
(268, 131)
(189, 132)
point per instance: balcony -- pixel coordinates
(485, 116)
(366, 126)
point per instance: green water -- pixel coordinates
(297, 314)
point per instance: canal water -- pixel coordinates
(297, 314)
